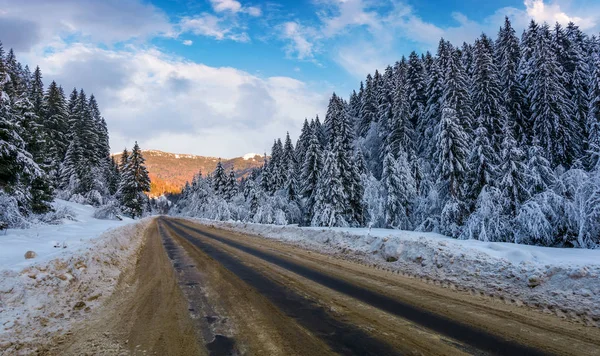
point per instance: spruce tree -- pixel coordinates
(451, 154)
(56, 128)
(368, 108)
(551, 106)
(220, 179)
(311, 169)
(330, 197)
(508, 56)
(513, 174)
(134, 183)
(486, 94)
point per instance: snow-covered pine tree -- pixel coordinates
(399, 188)
(56, 128)
(593, 118)
(330, 197)
(486, 93)
(508, 56)
(231, 188)
(551, 107)
(415, 89)
(577, 72)
(456, 92)
(368, 108)
(302, 143)
(512, 180)
(134, 183)
(321, 134)
(20, 175)
(433, 110)
(219, 180)
(311, 169)
(451, 154)
(540, 176)
(123, 160)
(483, 166)
(340, 144)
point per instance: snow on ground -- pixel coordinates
(565, 282)
(43, 296)
(41, 239)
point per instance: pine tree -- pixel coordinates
(508, 56)
(486, 93)
(540, 176)
(399, 188)
(329, 208)
(593, 118)
(302, 143)
(231, 188)
(36, 94)
(451, 153)
(219, 182)
(56, 128)
(368, 109)
(513, 175)
(415, 86)
(482, 164)
(311, 169)
(456, 94)
(551, 107)
(134, 183)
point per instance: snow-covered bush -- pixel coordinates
(56, 216)
(488, 222)
(94, 198)
(10, 213)
(77, 198)
(110, 211)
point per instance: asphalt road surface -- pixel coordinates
(199, 290)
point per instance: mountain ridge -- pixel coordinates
(170, 171)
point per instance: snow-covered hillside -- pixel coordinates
(44, 295)
(562, 281)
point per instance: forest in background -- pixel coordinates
(496, 140)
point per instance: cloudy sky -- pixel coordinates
(225, 77)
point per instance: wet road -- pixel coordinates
(249, 295)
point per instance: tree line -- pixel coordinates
(52, 146)
(496, 140)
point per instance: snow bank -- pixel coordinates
(41, 239)
(565, 282)
(45, 295)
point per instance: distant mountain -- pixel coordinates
(170, 171)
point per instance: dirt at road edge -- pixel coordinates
(147, 314)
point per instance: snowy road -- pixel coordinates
(240, 294)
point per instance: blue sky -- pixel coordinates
(225, 77)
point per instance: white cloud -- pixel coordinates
(226, 5)
(254, 11)
(212, 26)
(300, 40)
(188, 42)
(235, 7)
(552, 12)
(106, 21)
(348, 13)
(169, 103)
(362, 34)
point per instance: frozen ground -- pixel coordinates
(41, 239)
(45, 295)
(565, 282)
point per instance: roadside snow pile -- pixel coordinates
(52, 241)
(43, 296)
(561, 281)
